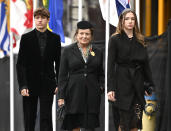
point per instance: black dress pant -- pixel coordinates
(30, 112)
(116, 117)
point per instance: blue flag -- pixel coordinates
(121, 5)
(4, 35)
(56, 14)
(116, 8)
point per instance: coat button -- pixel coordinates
(85, 66)
(85, 74)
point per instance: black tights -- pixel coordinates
(85, 130)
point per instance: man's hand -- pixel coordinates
(25, 92)
(111, 96)
(56, 90)
(60, 102)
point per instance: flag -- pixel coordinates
(4, 27)
(56, 15)
(21, 20)
(45, 3)
(21, 17)
(116, 8)
(121, 5)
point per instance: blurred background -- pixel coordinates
(16, 18)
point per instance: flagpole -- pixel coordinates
(11, 82)
(106, 57)
(54, 113)
(137, 9)
(80, 5)
(11, 86)
(34, 8)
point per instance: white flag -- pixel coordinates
(18, 18)
(116, 7)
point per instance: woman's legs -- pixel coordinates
(76, 129)
(119, 129)
(134, 129)
(87, 130)
(131, 120)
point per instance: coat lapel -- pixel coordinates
(77, 52)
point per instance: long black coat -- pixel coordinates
(80, 82)
(128, 69)
(38, 74)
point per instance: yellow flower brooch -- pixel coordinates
(92, 52)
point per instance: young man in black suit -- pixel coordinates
(37, 71)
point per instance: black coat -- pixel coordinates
(80, 82)
(128, 69)
(35, 72)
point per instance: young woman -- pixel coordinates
(128, 69)
(80, 80)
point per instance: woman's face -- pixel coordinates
(84, 36)
(129, 21)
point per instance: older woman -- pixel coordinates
(128, 70)
(80, 81)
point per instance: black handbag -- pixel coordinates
(60, 113)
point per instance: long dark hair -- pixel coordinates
(136, 29)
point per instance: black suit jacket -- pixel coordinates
(80, 82)
(35, 72)
(128, 69)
